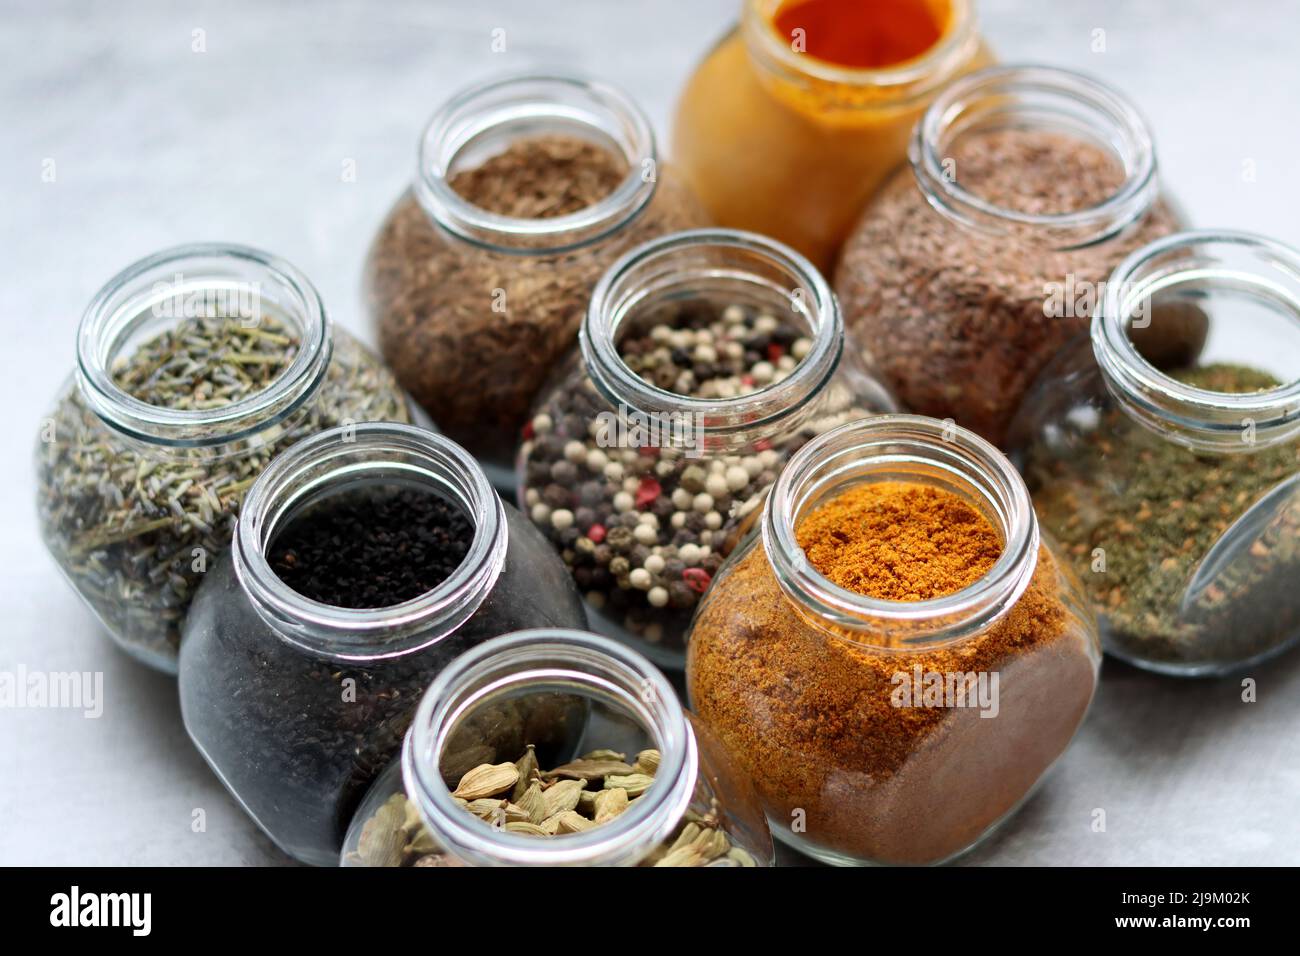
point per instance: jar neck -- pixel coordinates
(832, 87)
(1031, 98)
(160, 292)
(537, 662)
(1234, 276)
(906, 448)
(353, 457)
(483, 120)
(722, 267)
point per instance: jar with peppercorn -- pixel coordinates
(705, 359)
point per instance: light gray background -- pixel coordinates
(154, 144)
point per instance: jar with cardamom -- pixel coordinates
(984, 256)
(366, 559)
(195, 367)
(705, 359)
(896, 655)
(527, 189)
(1164, 454)
(794, 119)
(557, 748)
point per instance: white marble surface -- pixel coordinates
(154, 144)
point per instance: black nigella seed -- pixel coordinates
(372, 547)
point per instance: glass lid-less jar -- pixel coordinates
(794, 119)
(898, 658)
(557, 748)
(974, 266)
(366, 559)
(1165, 454)
(527, 189)
(706, 358)
(195, 367)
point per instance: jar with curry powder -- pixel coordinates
(896, 656)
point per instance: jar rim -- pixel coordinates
(1197, 417)
(909, 80)
(848, 455)
(1122, 126)
(509, 100)
(551, 657)
(625, 283)
(129, 298)
(341, 456)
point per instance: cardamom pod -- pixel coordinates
(570, 821)
(382, 837)
(684, 856)
(533, 803)
(529, 829)
(487, 780)
(527, 767)
(741, 856)
(634, 783)
(589, 769)
(647, 761)
(686, 837)
(564, 795)
(605, 755)
(610, 803)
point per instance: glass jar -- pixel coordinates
(473, 307)
(791, 145)
(860, 721)
(1165, 454)
(298, 705)
(136, 499)
(560, 694)
(644, 490)
(977, 263)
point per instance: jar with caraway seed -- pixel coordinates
(979, 260)
(616, 774)
(366, 559)
(793, 120)
(195, 367)
(706, 358)
(896, 656)
(1172, 476)
(527, 189)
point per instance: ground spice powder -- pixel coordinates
(810, 716)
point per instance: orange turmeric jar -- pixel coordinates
(792, 121)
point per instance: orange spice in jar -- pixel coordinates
(794, 119)
(898, 657)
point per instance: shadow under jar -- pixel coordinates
(985, 255)
(299, 704)
(527, 189)
(706, 358)
(195, 367)
(795, 118)
(613, 772)
(898, 729)
(1164, 454)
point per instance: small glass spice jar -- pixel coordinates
(195, 366)
(527, 189)
(297, 704)
(705, 359)
(1164, 454)
(982, 258)
(899, 730)
(795, 118)
(545, 720)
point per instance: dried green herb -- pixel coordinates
(134, 527)
(1139, 514)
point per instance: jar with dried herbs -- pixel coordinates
(612, 771)
(795, 118)
(366, 559)
(195, 367)
(705, 359)
(527, 189)
(896, 657)
(984, 257)
(1172, 475)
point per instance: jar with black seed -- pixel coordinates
(366, 559)
(706, 358)
(195, 367)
